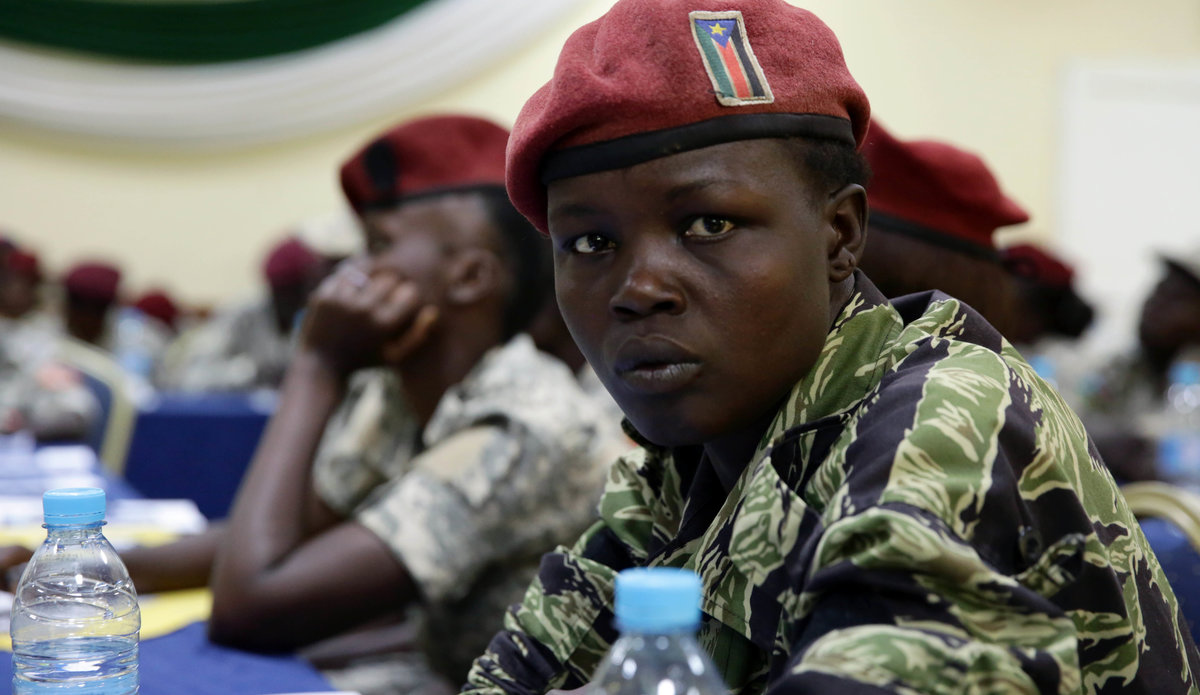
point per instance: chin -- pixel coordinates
(667, 430)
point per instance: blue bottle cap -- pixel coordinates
(658, 599)
(73, 506)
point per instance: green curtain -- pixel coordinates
(198, 31)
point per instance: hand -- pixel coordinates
(356, 320)
(12, 562)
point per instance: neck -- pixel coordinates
(443, 361)
(731, 454)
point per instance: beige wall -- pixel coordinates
(985, 74)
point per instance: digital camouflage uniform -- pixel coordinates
(925, 515)
(511, 464)
(55, 408)
(240, 349)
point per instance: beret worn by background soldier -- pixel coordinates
(428, 156)
(936, 192)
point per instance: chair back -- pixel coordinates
(1170, 519)
(109, 383)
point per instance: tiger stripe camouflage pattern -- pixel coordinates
(924, 515)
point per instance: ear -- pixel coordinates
(846, 214)
(473, 274)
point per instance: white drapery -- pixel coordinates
(352, 80)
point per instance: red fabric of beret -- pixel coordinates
(95, 281)
(1037, 264)
(24, 264)
(422, 157)
(936, 191)
(158, 304)
(655, 77)
(290, 262)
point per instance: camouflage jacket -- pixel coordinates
(924, 515)
(511, 464)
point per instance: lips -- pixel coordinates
(655, 366)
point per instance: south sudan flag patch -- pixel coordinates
(736, 76)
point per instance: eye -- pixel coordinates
(590, 243)
(708, 226)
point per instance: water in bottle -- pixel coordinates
(1179, 441)
(75, 617)
(658, 613)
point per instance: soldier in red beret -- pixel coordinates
(90, 290)
(20, 283)
(1046, 303)
(158, 305)
(935, 209)
(877, 497)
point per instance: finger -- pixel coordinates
(397, 350)
(377, 291)
(398, 307)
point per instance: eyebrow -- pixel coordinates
(572, 210)
(690, 187)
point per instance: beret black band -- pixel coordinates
(396, 201)
(932, 236)
(643, 147)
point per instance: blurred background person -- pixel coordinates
(247, 347)
(1049, 316)
(935, 210)
(1122, 402)
(20, 284)
(90, 291)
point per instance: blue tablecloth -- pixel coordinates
(196, 446)
(186, 663)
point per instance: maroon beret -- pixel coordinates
(936, 191)
(1037, 264)
(24, 264)
(422, 157)
(158, 304)
(655, 77)
(290, 262)
(95, 281)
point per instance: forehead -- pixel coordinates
(454, 218)
(767, 166)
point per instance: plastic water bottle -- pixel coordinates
(1179, 442)
(75, 617)
(658, 613)
(134, 344)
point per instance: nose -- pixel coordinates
(651, 284)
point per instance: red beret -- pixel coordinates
(24, 264)
(936, 191)
(290, 262)
(429, 155)
(1038, 265)
(656, 77)
(158, 304)
(96, 281)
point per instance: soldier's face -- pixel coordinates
(414, 240)
(698, 285)
(1170, 317)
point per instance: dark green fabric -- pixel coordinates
(192, 32)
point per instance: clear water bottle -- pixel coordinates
(75, 617)
(1179, 441)
(658, 613)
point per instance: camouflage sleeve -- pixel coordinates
(921, 582)
(345, 467)
(557, 635)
